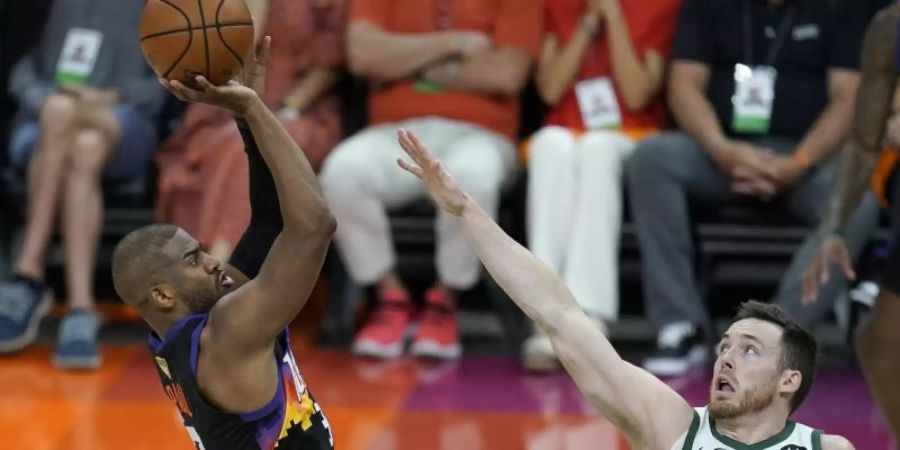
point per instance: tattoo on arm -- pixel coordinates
(873, 105)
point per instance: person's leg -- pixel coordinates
(360, 180)
(551, 194)
(481, 161)
(592, 262)
(552, 180)
(45, 175)
(116, 144)
(807, 202)
(664, 172)
(876, 346)
(42, 149)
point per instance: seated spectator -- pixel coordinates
(203, 168)
(88, 103)
(451, 71)
(763, 92)
(601, 69)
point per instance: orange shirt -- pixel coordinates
(510, 23)
(651, 24)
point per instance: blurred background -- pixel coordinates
(568, 119)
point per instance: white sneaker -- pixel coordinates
(538, 354)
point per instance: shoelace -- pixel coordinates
(81, 327)
(385, 311)
(436, 313)
(15, 301)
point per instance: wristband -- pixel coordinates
(802, 158)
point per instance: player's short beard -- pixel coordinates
(199, 300)
(751, 401)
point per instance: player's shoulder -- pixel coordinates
(836, 442)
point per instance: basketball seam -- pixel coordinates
(222, 38)
(190, 38)
(224, 25)
(205, 37)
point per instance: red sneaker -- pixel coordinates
(438, 334)
(383, 336)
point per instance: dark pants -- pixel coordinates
(668, 172)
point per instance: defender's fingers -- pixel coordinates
(413, 169)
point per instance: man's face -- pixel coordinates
(198, 279)
(748, 369)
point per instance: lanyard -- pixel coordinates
(786, 21)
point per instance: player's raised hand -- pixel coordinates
(438, 181)
(232, 96)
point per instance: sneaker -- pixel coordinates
(438, 334)
(679, 348)
(76, 345)
(538, 354)
(384, 335)
(23, 303)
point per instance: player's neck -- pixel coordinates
(752, 428)
(161, 325)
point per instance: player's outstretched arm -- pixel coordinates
(250, 318)
(650, 413)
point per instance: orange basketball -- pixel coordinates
(185, 38)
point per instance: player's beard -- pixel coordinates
(753, 400)
(200, 299)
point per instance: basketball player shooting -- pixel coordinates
(219, 336)
(765, 365)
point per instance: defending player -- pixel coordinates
(765, 367)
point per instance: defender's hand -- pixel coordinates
(439, 183)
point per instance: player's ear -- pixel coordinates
(790, 381)
(162, 296)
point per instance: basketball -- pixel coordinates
(184, 38)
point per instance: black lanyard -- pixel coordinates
(749, 33)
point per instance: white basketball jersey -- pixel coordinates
(702, 435)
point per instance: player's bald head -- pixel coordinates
(138, 260)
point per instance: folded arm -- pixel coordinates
(385, 56)
(500, 71)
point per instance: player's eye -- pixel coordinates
(750, 350)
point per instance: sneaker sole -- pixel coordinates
(434, 350)
(541, 364)
(77, 362)
(378, 350)
(670, 367)
(30, 334)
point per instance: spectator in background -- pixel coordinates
(203, 168)
(451, 71)
(601, 69)
(87, 109)
(768, 136)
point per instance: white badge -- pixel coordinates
(598, 104)
(79, 55)
(754, 95)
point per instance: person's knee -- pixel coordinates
(602, 152)
(57, 112)
(345, 171)
(90, 151)
(551, 142)
(655, 157)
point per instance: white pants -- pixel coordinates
(575, 211)
(361, 180)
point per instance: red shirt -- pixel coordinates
(651, 24)
(510, 23)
